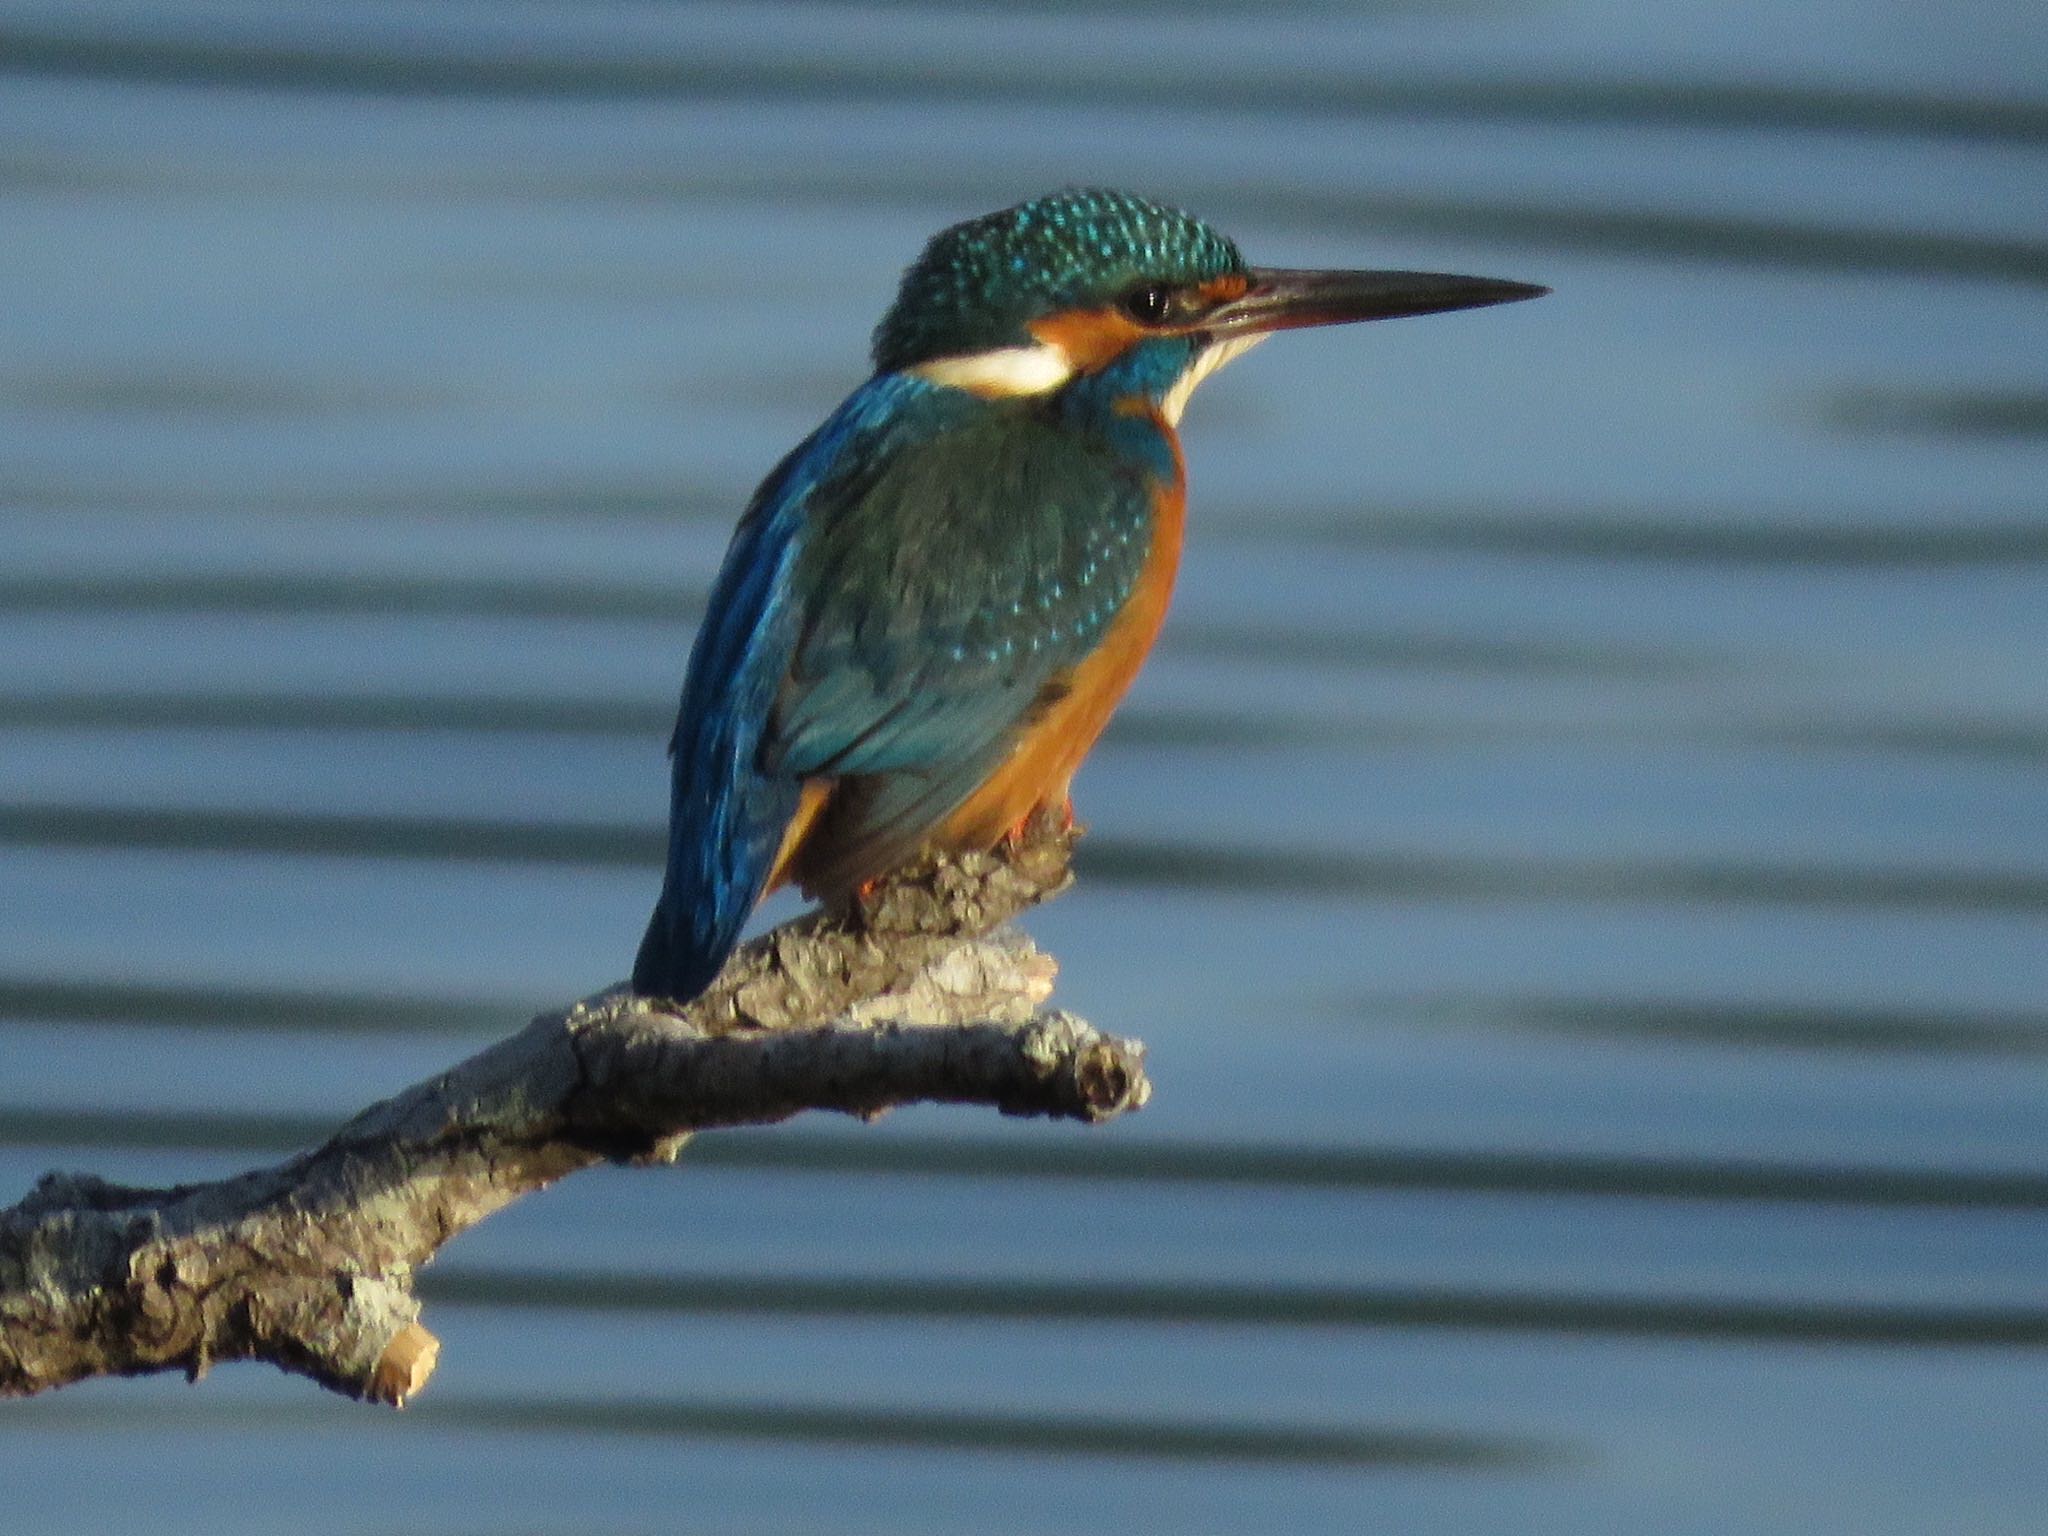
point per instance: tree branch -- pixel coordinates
(918, 994)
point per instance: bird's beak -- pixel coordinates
(1282, 299)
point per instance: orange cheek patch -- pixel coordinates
(1091, 338)
(1221, 290)
(1094, 338)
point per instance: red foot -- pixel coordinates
(1018, 834)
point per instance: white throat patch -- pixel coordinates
(1003, 372)
(1206, 362)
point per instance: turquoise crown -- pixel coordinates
(977, 284)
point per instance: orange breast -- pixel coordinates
(817, 793)
(1078, 705)
(1063, 726)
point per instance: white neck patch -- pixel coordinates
(1005, 371)
(1206, 362)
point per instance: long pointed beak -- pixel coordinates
(1282, 299)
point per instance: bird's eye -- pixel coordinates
(1150, 304)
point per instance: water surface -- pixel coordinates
(1579, 855)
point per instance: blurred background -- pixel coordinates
(1579, 854)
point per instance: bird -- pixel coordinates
(932, 604)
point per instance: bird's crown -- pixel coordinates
(978, 284)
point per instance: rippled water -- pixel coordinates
(1579, 854)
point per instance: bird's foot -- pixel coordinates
(1033, 822)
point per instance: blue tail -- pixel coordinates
(727, 812)
(704, 903)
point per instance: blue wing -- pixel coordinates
(898, 595)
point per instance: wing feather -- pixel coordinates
(901, 592)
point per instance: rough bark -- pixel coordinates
(919, 994)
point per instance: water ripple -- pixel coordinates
(1118, 861)
(431, 63)
(1257, 1305)
(1138, 724)
(872, 1425)
(1136, 1161)
(1746, 1025)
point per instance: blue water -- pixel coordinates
(1579, 855)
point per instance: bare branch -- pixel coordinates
(918, 995)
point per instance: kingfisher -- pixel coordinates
(932, 605)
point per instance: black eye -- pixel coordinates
(1150, 304)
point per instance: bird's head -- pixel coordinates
(1024, 301)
